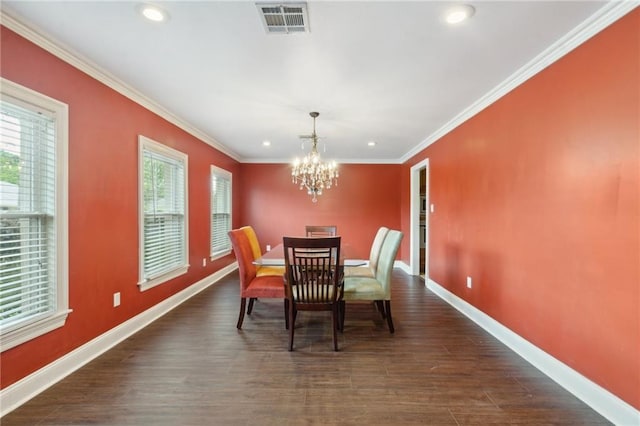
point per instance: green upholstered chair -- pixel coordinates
(251, 285)
(369, 270)
(376, 289)
(255, 248)
(314, 279)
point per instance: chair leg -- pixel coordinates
(286, 314)
(250, 308)
(243, 302)
(292, 324)
(334, 321)
(342, 308)
(387, 308)
(380, 306)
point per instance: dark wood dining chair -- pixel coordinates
(313, 281)
(321, 230)
(252, 286)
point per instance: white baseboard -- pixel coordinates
(20, 392)
(601, 400)
(401, 265)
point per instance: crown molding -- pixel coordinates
(604, 17)
(601, 19)
(339, 161)
(80, 62)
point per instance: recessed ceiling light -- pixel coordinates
(459, 13)
(266, 143)
(371, 143)
(153, 13)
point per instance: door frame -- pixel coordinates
(414, 251)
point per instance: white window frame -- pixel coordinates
(146, 144)
(31, 328)
(217, 171)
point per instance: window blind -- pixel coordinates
(164, 214)
(27, 213)
(220, 211)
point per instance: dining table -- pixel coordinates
(275, 257)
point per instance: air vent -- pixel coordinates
(289, 18)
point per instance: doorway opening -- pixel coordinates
(423, 225)
(420, 208)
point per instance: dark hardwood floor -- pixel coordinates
(192, 367)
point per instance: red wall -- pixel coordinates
(366, 198)
(103, 202)
(537, 198)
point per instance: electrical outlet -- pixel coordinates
(432, 207)
(204, 261)
(268, 247)
(116, 299)
(469, 283)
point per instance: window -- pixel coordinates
(33, 214)
(163, 213)
(220, 212)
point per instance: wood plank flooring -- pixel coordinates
(192, 367)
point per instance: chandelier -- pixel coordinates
(310, 172)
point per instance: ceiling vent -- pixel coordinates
(287, 18)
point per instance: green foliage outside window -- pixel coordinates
(9, 167)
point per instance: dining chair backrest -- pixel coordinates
(386, 259)
(244, 255)
(257, 253)
(321, 230)
(253, 241)
(313, 269)
(313, 279)
(376, 246)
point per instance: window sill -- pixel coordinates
(220, 254)
(146, 285)
(28, 332)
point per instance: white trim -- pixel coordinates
(226, 174)
(601, 400)
(80, 62)
(402, 266)
(339, 161)
(414, 240)
(146, 144)
(166, 276)
(20, 392)
(26, 332)
(604, 17)
(33, 99)
(219, 255)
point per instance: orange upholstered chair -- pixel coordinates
(255, 248)
(251, 285)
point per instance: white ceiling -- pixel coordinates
(385, 71)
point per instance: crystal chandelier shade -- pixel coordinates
(311, 172)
